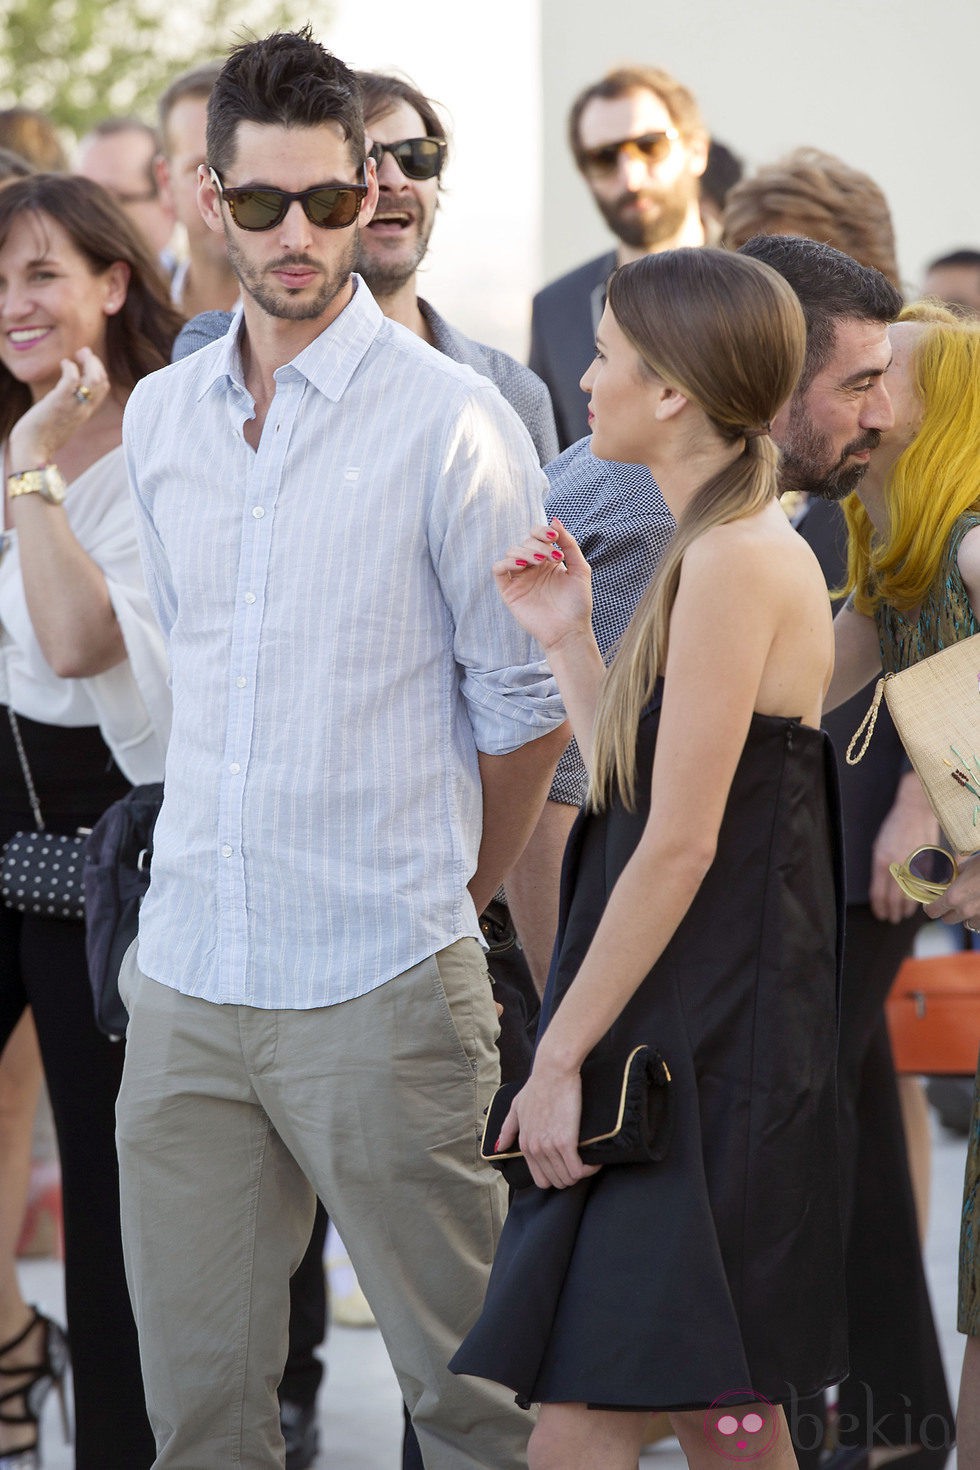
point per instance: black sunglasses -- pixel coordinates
(418, 158)
(330, 206)
(652, 147)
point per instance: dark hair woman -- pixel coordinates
(83, 316)
(699, 917)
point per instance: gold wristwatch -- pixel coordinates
(46, 482)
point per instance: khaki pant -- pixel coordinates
(229, 1120)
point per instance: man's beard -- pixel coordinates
(643, 231)
(277, 300)
(806, 464)
(387, 271)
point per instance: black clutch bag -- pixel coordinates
(627, 1115)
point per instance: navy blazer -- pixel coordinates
(564, 317)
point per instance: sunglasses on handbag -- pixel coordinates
(329, 206)
(418, 158)
(919, 884)
(651, 147)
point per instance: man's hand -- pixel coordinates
(909, 824)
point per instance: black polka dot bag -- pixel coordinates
(42, 872)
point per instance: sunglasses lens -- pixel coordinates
(932, 865)
(602, 160)
(420, 158)
(257, 209)
(332, 209)
(654, 147)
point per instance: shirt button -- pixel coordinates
(234, 768)
(249, 598)
(227, 851)
(258, 512)
(241, 681)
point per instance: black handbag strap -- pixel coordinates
(28, 778)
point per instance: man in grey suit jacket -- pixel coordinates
(641, 146)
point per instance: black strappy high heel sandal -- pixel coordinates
(32, 1382)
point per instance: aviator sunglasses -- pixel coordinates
(330, 206)
(418, 158)
(651, 147)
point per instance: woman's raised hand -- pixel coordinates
(546, 583)
(48, 424)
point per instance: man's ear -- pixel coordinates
(161, 170)
(370, 201)
(697, 153)
(209, 200)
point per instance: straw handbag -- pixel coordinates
(935, 705)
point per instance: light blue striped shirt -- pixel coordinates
(339, 656)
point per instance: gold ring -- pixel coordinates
(83, 393)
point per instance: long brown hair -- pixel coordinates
(729, 334)
(140, 335)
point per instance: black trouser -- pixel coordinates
(896, 1371)
(307, 1319)
(42, 964)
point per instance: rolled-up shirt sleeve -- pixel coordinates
(488, 496)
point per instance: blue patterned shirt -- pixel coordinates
(619, 518)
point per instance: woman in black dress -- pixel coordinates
(699, 915)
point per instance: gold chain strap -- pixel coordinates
(867, 726)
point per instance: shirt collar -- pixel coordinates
(328, 363)
(447, 339)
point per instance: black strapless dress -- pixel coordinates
(721, 1269)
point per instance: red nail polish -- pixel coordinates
(558, 555)
(519, 563)
(552, 535)
(540, 556)
(496, 1147)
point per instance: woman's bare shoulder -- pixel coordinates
(763, 547)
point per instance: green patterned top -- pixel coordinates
(945, 616)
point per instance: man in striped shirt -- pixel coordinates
(362, 741)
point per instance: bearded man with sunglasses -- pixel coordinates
(361, 742)
(641, 146)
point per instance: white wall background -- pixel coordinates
(888, 85)
(480, 61)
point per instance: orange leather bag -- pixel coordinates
(933, 1013)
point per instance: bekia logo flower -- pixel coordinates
(741, 1425)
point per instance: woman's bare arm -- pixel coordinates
(857, 656)
(67, 597)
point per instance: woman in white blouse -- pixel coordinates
(83, 315)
